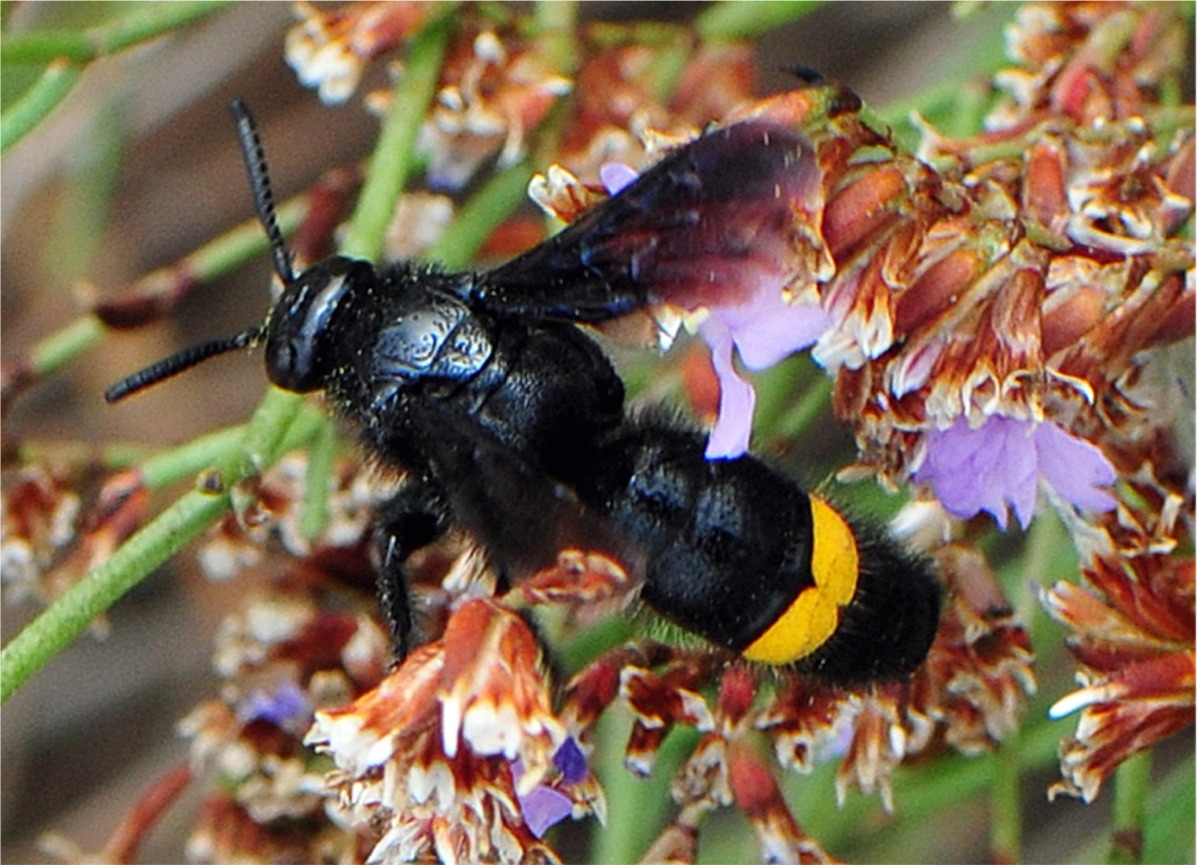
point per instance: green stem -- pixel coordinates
(243, 242)
(637, 808)
(321, 459)
(1005, 836)
(145, 21)
(802, 413)
(745, 19)
(38, 101)
(394, 157)
(70, 615)
(481, 215)
(163, 469)
(148, 548)
(1132, 784)
(55, 350)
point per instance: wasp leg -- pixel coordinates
(415, 517)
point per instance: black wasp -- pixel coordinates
(510, 422)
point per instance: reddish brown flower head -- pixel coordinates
(495, 88)
(758, 796)
(50, 541)
(1133, 633)
(1091, 62)
(459, 751)
(272, 505)
(330, 48)
(979, 670)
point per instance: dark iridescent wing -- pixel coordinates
(701, 222)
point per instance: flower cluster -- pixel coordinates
(1131, 626)
(272, 506)
(497, 84)
(981, 316)
(309, 641)
(51, 538)
(458, 751)
(330, 48)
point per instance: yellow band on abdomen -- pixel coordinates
(814, 615)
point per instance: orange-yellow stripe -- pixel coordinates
(813, 617)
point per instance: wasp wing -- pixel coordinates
(701, 226)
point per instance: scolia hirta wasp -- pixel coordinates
(510, 422)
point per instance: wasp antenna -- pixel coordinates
(259, 180)
(180, 361)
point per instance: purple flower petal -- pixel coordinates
(616, 175)
(544, 807)
(768, 327)
(949, 469)
(284, 705)
(1074, 468)
(570, 762)
(762, 331)
(743, 294)
(999, 464)
(737, 398)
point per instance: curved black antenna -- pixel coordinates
(180, 361)
(259, 180)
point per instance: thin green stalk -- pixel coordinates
(144, 21)
(668, 64)
(147, 549)
(803, 412)
(169, 467)
(394, 157)
(83, 209)
(637, 808)
(1171, 816)
(37, 102)
(68, 51)
(1132, 784)
(481, 215)
(557, 17)
(746, 19)
(54, 351)
(110, 456)
(1005, 832)
(70, 615)
(246, 240)
(321, 459)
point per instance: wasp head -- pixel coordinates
(303, 348)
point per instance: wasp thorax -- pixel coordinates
(301, 342)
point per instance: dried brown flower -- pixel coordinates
(329, 48)
(1132, 629)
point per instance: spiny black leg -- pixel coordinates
(415, 517)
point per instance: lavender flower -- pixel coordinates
(1001, 462)
(762, 329)
(285, 706)
(544, 806)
